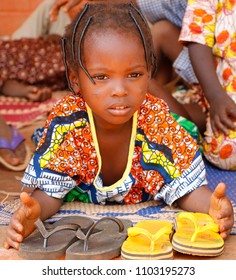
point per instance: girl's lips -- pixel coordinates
(119, 110)
(119, 107)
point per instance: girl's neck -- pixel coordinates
(102, 127)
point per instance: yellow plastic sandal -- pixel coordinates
(149, 239)
(197, 234)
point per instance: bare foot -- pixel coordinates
(12, 157)
(19, 89)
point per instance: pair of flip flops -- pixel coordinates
(194, 234)
(76, 238)
(17, 138)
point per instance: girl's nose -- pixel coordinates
(119, 88)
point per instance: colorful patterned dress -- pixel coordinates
(164, 162)
(212, 23)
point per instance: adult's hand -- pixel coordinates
(72, 7)
(69, 6)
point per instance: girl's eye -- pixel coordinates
(100, 77)
(134, 75)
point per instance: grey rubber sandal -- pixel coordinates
(50, 241)
(104, 244)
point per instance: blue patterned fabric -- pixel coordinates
(171, 10)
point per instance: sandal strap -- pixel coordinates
(16, 139)
(46, 234)
(91, 229)
(133, 231)
(212, 226)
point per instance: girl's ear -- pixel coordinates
(74, 82)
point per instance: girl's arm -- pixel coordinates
(222, 107)
(196, 201)
(49, 205)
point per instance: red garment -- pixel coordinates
(33, 61)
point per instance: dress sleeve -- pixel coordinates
(170, 158)
(50, 168)
(199, 22)
(53, 183)
(188, 181)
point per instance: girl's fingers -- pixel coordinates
(219, 191)
(13, 239)
(56, 8)
(27, 199)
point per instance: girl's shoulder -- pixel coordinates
(69, 104)
(155, 103)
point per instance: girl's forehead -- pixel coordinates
(112, 42)
(114, 49)
(113, 34)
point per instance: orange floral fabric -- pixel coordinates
(212, 23)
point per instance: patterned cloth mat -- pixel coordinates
(134, 212)
(20, 112)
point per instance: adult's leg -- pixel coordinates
(171, 53)
(15, 88)
(165, 41)
(32, 68)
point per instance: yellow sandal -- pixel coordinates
(197, 234)
(148, 239)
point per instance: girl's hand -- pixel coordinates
(22, 222)
(222, 114)
(221, 210)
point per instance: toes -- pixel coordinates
(20, 152)
(40, 95)
(10, 157)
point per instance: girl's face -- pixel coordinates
(116, 62)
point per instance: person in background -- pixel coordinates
(30, 62)
(31, 67)
(202, 55)
(208, 31)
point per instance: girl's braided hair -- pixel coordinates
(100, 17)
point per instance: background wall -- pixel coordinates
(13, 13)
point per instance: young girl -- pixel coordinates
(209, 32)
(110, 141)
